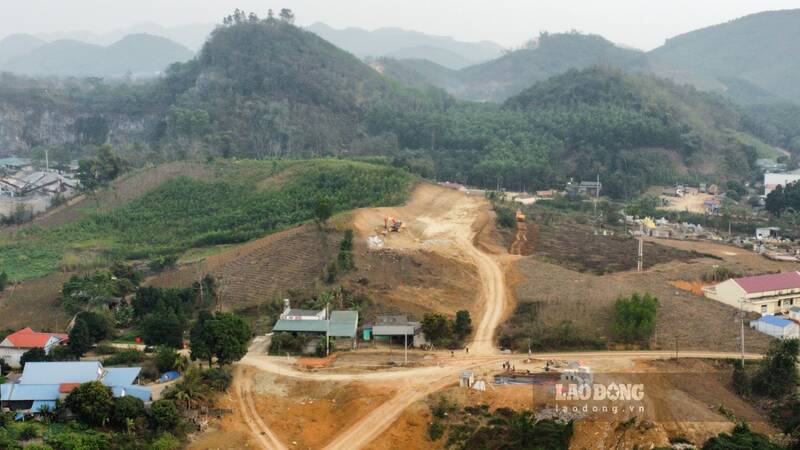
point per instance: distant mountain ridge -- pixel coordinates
(135, 54)
(501, 78)
(406, 44)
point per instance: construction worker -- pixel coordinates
(467, 350)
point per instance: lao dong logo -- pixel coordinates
(599, 392)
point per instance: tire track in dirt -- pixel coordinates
(265, 437)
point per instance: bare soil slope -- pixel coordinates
(263, 269)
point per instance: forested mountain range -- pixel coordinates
(266, 88)
(404, 44)
(754, 60)
(135, 54)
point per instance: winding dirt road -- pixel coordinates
(444, 221)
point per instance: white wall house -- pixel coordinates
(15, 345)
(776, 327)
(764, 294)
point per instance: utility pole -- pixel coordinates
(676, 347)
(327, 330)
(405, 348)
(741, 320)
(46, 160)
(640, 255)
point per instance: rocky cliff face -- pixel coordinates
(23, 128)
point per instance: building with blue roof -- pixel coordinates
(776, 327)
(44, 383)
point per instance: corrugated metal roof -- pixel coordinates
(26, 392)
(343, 324)
(769, 282)
(27, 338)
(60, 372)
(303, 326)
(121, 376)
(5, 391)
(301, 312)
(777, 321)
(141, 392)
(393, 330)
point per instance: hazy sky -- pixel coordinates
(638, 23)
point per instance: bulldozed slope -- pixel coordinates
(264, 269)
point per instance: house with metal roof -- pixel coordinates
(342, 324)
(14, 164)
(16, 344)
(765, 294)
(776, 327)
(42, 384)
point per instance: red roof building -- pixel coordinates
(16, 344)
(772, 293)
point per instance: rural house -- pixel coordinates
(15, 345)
(776, 327)
(764, 294)
(389, 327)
(44, 383)
(342, 325)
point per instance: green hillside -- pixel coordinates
(242, 201)
(268, 88)
(762, 49)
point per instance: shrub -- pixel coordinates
(165, 358)
(28, 431)
(165, 442)
(219, 378)
(106, 349)
(91, 402)
(33, 355)
(164, 415)
(506, 217)
(127, 408)
(125, 357)
(287, 343)
(634, 318)
(435, 431)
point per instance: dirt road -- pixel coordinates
(264, 436)
(439, 220)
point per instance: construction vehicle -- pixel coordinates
(392, 224)
(520, 216)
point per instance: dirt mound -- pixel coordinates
(263, 269)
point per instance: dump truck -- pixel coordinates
(392, 224)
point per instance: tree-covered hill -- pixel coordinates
(266, 87)
(499, 79)
(763, 49)
(633, 130)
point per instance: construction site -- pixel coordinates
(442, 252)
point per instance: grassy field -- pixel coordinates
(238, 202)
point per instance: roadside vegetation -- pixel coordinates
(479, 427)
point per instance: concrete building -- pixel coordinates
(16, 344)
(767, 233)
(290, 313)
(42, 384)
(764, 294)
(776, 327)
(773, 180)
